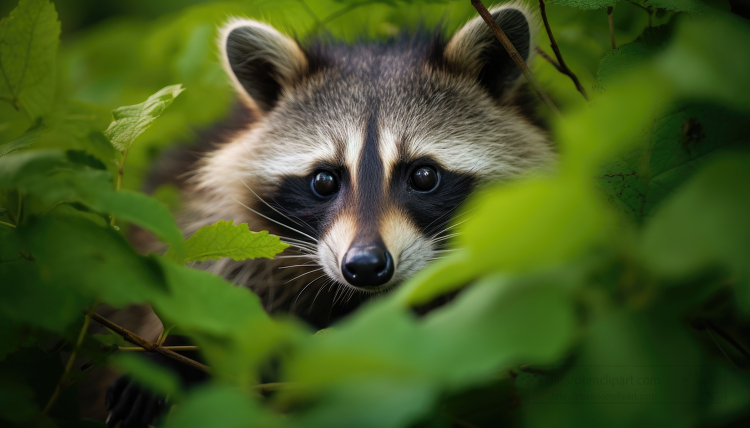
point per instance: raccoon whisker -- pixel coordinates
(328, 282)
(306, 273)
(304, 288)
(452, 226)
(277, 222)
(443, 238)
(293, 266)
(301, 256)
(300, 246)
(277, 211)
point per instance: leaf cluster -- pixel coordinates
(612, 291)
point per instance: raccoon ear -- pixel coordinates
(475, 51)
(261, 61)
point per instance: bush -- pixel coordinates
(613, 291)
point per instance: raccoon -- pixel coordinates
(359, 156)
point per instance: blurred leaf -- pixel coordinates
(678, 143)
(228, 323)
(131, 121)
(28, 51)
(237, 410)
(148, 374)
(24, 141)
(48, 176)
(632, 369)
(224, 239)
(10, 337)
(709, 59)
(704, 225)
(115, 274)
(31, 300)
(630, 56)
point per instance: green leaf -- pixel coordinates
(238, 410)
(49, 176)
(148, 374)
(228, 323)
(690, 6)
(131, 121)
(678, 143)
(585, 4)
(628, 57)
(64, 247)
(705, 225)
(28, 50)
(709, 59)
(224, 239)
(385, 349)
(34, 298)
(24, 141)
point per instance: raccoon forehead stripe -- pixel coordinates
(370, 180)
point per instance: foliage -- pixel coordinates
(612, 291)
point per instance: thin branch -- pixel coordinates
(8, 224)
(500, 34)
(120, 174)
(145, 344)
(551, 60)
(560, 64)
(170, 348)
(61, 383)
(611, 27)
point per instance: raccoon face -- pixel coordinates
(362, 154)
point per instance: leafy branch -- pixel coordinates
(500, 34)
(146, 345)
(560, 63)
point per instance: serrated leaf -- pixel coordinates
(29, 38)
(24, 141)
(224, 239)
(690, 6)
(131, 121)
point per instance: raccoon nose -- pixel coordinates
(367, 266)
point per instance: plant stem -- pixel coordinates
(120, 173)
(611, 27)
(171, 348)
(560, 65)
(145, 344)
(61, 383)
(8, 224)
(500, 34)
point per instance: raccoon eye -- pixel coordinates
(324, 184)
(424, 179)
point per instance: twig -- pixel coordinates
(61, 383)
(8, 224)
(611, 26)
(648, 10)
(266, 387)
(120, 174)
(500, 34)
(560, 64)
(551, 60)
(145, 344)
(170, 348)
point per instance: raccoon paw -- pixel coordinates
(132, 404)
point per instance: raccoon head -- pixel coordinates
(362, 154)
